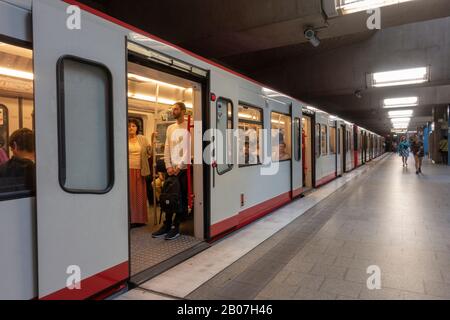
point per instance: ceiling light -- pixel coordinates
(246, 116)
(144, 97)
(16, 73)
(400, 77)
(136, 77)
(278, 121)
(351, 6)
(400, 102)
(400, 113)
(400, 120)
(400, 125)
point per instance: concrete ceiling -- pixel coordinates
(264, 39)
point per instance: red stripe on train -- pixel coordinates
(93, 285)
(326, 179)
(249, 215)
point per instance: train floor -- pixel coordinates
(147, 252)
(380, 217)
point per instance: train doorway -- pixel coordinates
(342, 148)
(307, 152)
(153, 92)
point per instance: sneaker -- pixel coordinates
(417, 172)
(161, 233)
(173, 233)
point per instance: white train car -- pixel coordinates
(326, 148)
(75, 84)
(350, 146)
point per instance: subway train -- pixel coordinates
(75, 77)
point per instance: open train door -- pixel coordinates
(81, 141)
(296, 166)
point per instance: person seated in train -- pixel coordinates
(139, 150)
(176, 159)
(281, 154)
(3, 154)
(19, 171)
(249, 157)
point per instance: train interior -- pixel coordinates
(151, 94)
(16, 93)
(307, 152)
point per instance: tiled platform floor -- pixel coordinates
(389, 217)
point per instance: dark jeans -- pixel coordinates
(182, 178)
(444, 157)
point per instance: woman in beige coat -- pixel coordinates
(139, 150)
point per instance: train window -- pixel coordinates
(332, 140)
(323, 139)
(250, 135)
(297, 139)
(85, 126)
(318, 153)
(281, 136)
(17, 152)
(224, 124)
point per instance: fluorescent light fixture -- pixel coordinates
(400, 120)
(144, 97)
(401, 102)
(278, 122)
(400, 113)
(398, 130)
(351, 6)
(400, 77)
(136, 77)
(245, 116)
(400, 125)
(16, 73)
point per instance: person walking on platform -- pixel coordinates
(403, 150)
(443, 148)
(418, 151)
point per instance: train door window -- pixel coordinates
(281, 136)
(224, 124)
(332, 140)
(250, 135)
(85, 126)
(323, 139)
(297, 139)
(318, 139)
(17, 152)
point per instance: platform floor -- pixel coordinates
(321, 246)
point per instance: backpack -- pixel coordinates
(169, 199)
